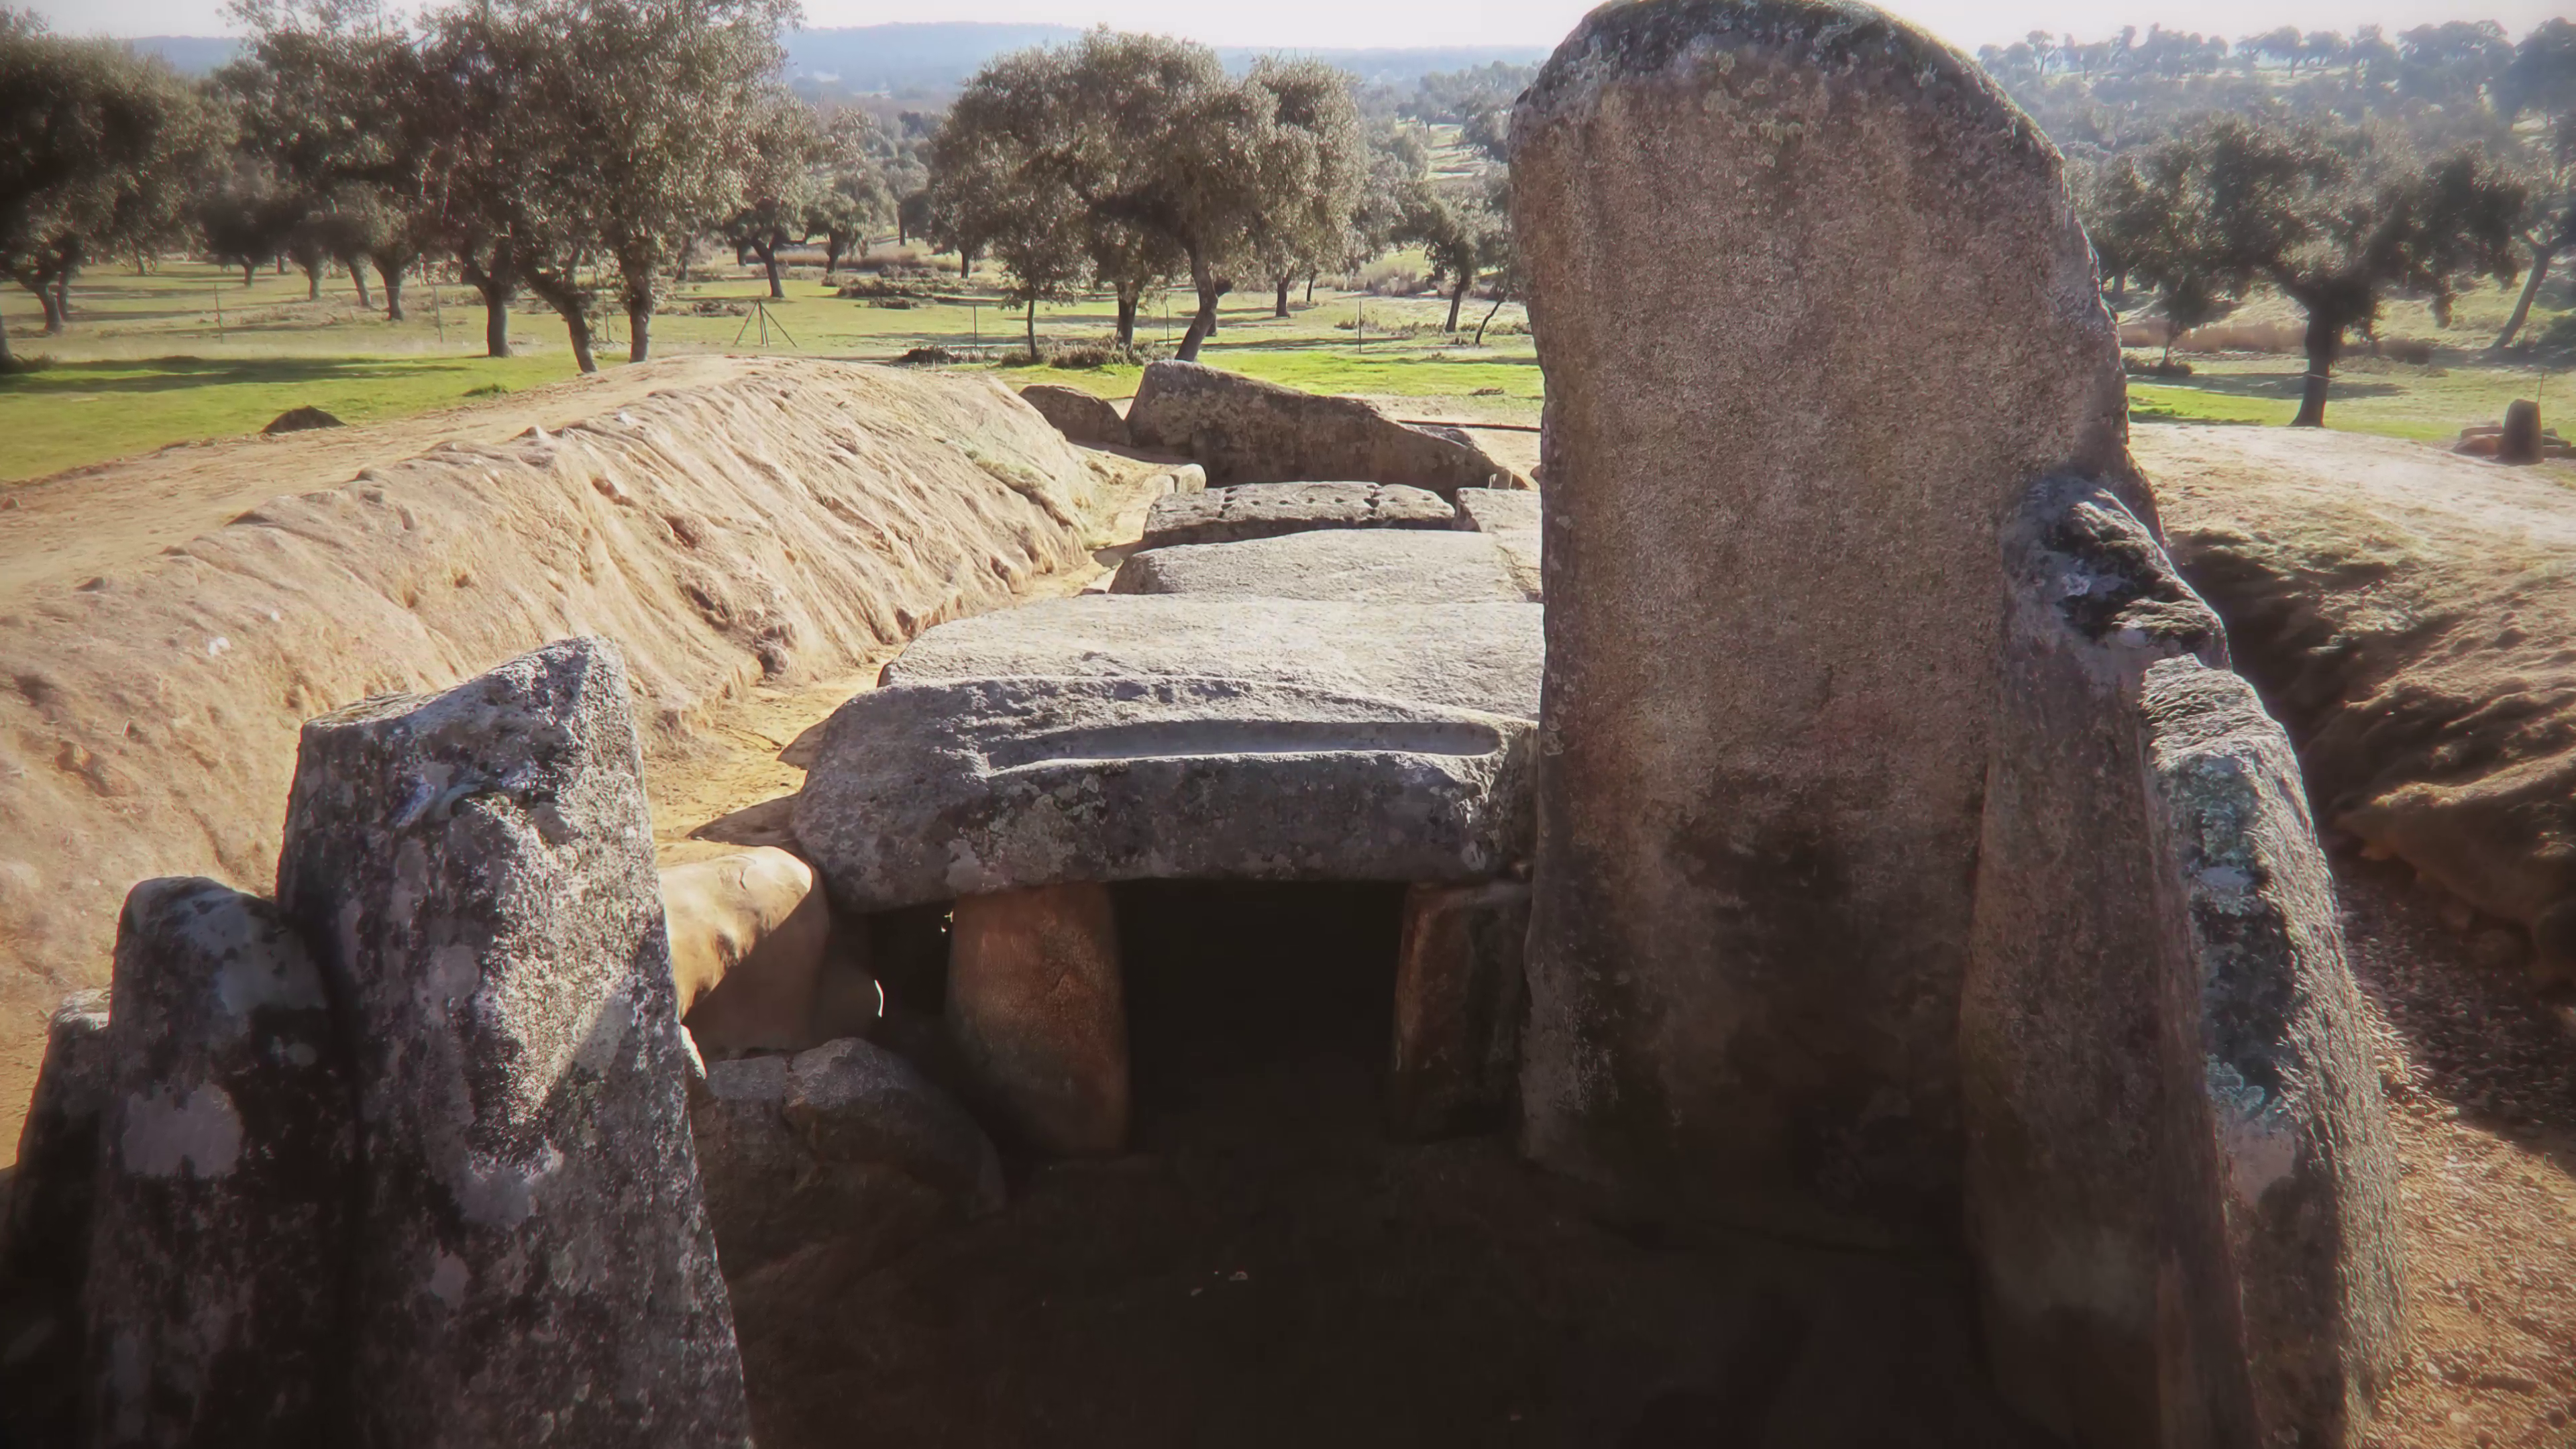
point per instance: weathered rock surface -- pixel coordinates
(2286, 1247)
(45, 1228)
(844, 1143)
(2062, 1082)
(1773, 625)
(1038, 1010)
(1268, 510)
(1484, 657)
(934, 791)
(1354, 566)
(1081, 416)
(229, 1153)
(476, 870)
(1458, 995)
(1511, 519)
(747, 935)
(1246, 431)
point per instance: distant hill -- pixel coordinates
(939, 56)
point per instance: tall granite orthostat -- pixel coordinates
(1773, 618)
(217, 1309)
(475, 869)
(49, 1199)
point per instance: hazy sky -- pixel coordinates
(1969, 23)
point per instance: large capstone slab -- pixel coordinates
(228, 1155)
(1353, 566)
(475, 870)
(923, 792)
(1268, 510)
(1243, 430)
(1481, 657)
(1773, 622)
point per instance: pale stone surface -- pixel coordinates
(1458, 993)
(1247, 431)
(1352, 566)
(1511, 519)
(1038, 1012)
(2061, 1083)
(1773, 622)
(45, 1231)
(1484, 657)
(844, 1143)
(475, 869)
(2286, 1247)
(1082, 417)
(228, 1156)
(747, 933)
(1268, 510)
(924, 792)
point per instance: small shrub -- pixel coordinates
(1390, 278)
(2140, 367)
(2559, 335)
(2268, 337)
(489, 389)
(933, 356)
(17, 366)
(2403, 349)
(1095, 354)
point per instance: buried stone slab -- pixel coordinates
(747, 932)
(1355, 566)
(1773, 625)
(924, 792)
(1243, 430)
(45, 1226)
(1269, 510)
(2059, 1045)
(1458, 993)
(475, 869)
(1036, 1008)
(843, 1143)
(216, 1308)
(1482, 657)
(1511, 520)
(2282, 1263)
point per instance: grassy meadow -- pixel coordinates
(189, 352)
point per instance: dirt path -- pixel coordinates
(73, 525)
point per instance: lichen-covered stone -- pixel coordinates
(844, 1143)
(1038, 1009)
(1458, 994)
(1360, 566)
(1271, 510)
(1243, 430)
(2060, 1058)
(1773, 621)
(923, 792)
(217, 1309)
(475, 870)
(2284, 1252)
(45, 1228)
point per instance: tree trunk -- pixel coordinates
(51, 301)
(639, 328)
(7, 363)
(769, 263)
(1310, 289)
(2325, 339)
(1033, 329)
(358, 279)
(1126, 320)
(965, 263)
(312, 281)
(63, 300)
(496, 286)
(1280, 309)
(1458, 299)
(392, 272)
(249, 271)
(1489, 316)
(2541, 257)
(1202, 277)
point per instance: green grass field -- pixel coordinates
(189, 352)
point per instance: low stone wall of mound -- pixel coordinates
(778, 521)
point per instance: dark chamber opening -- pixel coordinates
(1265, 1267)
(1255, 998)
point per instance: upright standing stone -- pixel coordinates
(2283, 1260)
(2060, 1054)
(1457, 1008)
(216, 1304)
(1773, 618)
(476, 869)
(1038, 1010)
(45, 1230)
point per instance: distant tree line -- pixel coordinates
(2340, 172)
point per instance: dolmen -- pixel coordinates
(1911, 868)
